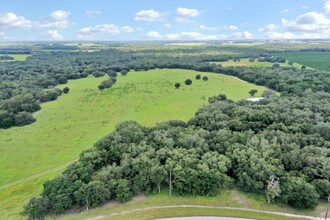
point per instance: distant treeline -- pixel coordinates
(44, 71)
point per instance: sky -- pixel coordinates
(139, 20)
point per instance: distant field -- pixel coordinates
(17, 57)
(317, 60)
(231, 198)
(78, 119)
(245, 62)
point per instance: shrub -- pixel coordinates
(188, 82)
(205, 78)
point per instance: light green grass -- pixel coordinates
(229, 198)
(17, 57)
(76, 120)
(316, 60)
(13, 199)
(245, 62)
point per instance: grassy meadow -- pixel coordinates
(316, 60)
(17, 57)
(78, 119)
(245, 62)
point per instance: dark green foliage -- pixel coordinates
(66, 90)
(98, 74)
(252, 92)
(36, 208)
(322, 187)
(107, 83)
(188, 82)
(300, 194)
(205, 78)
(23, 118)
(177, 85)
(101, 87)
(123, 72)
(198, 76)
(123, 191)
(112, 73)
(92, 194)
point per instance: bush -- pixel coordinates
(198, 77)
(66, 90)
(300, 194)
(188, 82)
(322, 187)
(123, 72)
(23, 118)
(101, 87)
(205, 78)
(177, 85)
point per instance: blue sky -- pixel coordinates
(34, 20)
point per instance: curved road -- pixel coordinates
(200, 206)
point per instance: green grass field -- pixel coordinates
(229, 198)
(17, 57)
(316, 60)
(77, 120)
(245, 62)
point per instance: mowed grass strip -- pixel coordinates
(225, 198)
(245, 62)
(78, 119)
(316, 60)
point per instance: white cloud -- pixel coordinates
(278, 35)
(93, 14)
(154, 34)
(101, 28)
(187, 12)
(55, 35)
(11, 20)
(214, 28)
(60, 15)
(168, 25)
(326, 6)
(242, 35)
(193, 36)
(285, 11)
(183, 20)
(309, 22)
(269, 28)
(149, 15)
(88, 33)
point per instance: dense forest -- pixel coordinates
(280, 145)
(24, 85)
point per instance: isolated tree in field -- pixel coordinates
(198, 76)
(188, 82)
(303, 67)
(66, 90)
(177, 85)
(251, 60)
(123, 72)
(205, 78)
(273, 189)
(101, 87)
(252, 92)
(290, 63)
